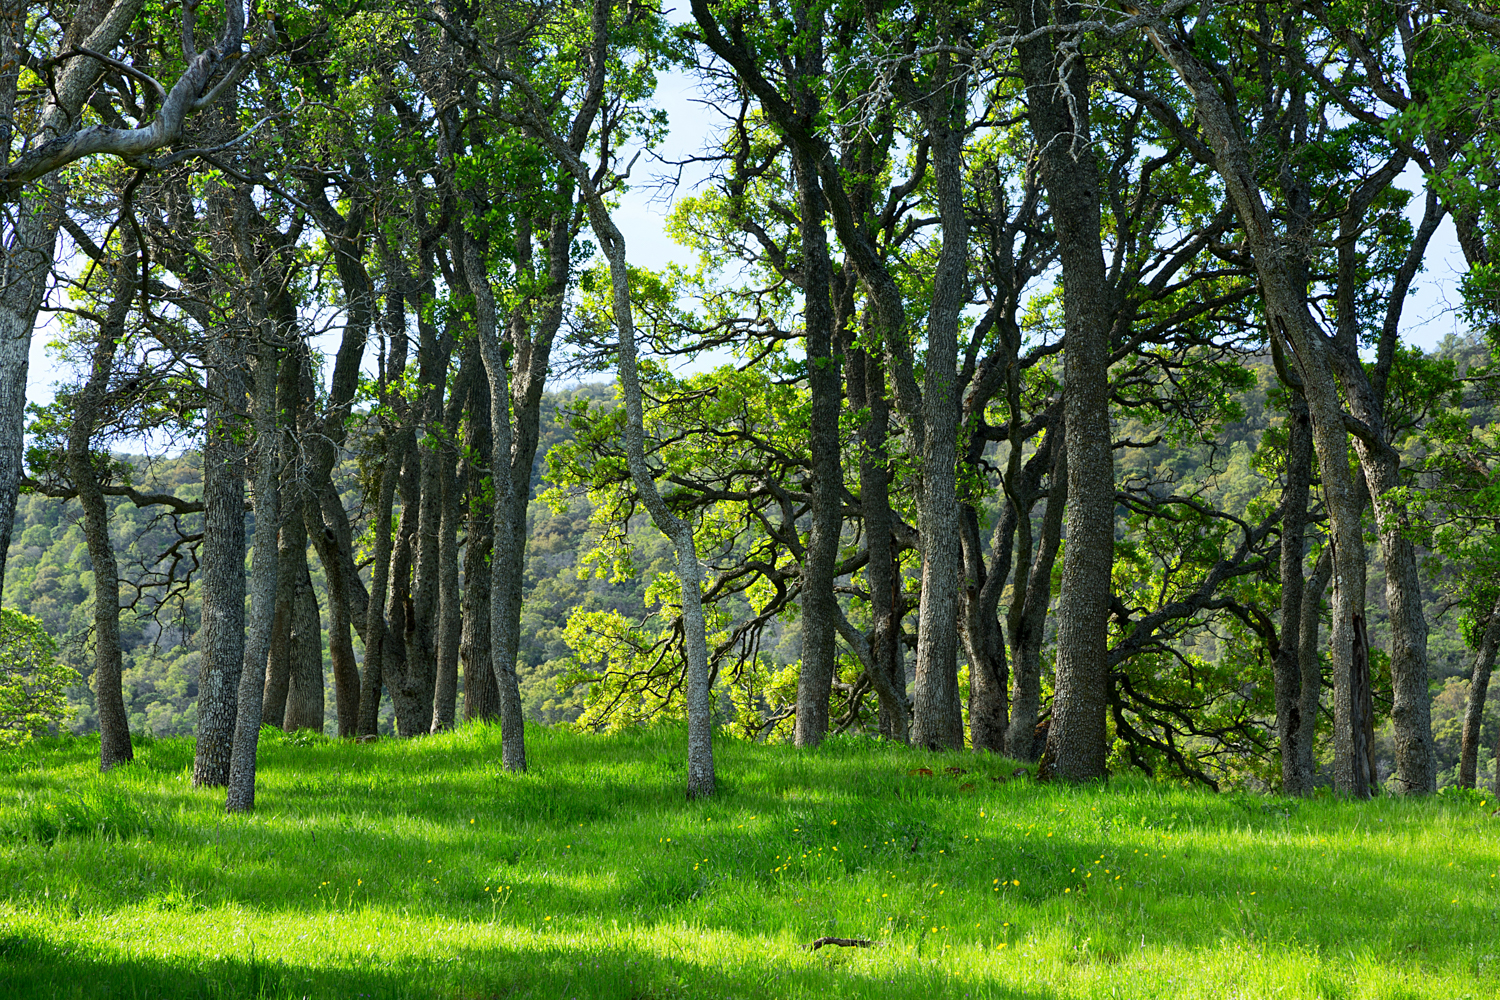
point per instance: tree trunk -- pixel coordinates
(819, 609)
(223, 562)
(434, 352)
(304, 702)
(700, 778)
(1057, 102)
(340, 642)
(937, 719)
(1026, 638)
(376, 632)
(279, 657)
(507, 538)
(323, 512)
(114, 724)
(1287, 670)
(984, 641)
(866, 386)
(26, 262)
(265, 557)
(481, 694)
(412, 704)
(1311, 662)
(445, 692)
(1479, 684)
(27, 247)
(1287, 313)
(1411, 704)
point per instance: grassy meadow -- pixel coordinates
(421, 869)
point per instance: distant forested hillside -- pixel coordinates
(50, 577)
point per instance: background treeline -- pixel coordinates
(49, 578)
(1039, 387)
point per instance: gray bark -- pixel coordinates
(1311, 662)
(481, 694)
(27, 247)
(26, 261)
(937, 719)
(223, 562)
(411, 704)
(819, 609)
(64, 142)
(279, 656)
(700, 778)
(1287, 311)
(88, 404)
(984, 639)
(1364, 389)
(1296, 773)
(867, 391)
(304, 700)
(267, 497)
(1057, 104)
(1479, 683)
(1026, 636)
(376, 633)
(323, 512)
(449, 630)
(503, 631)
(421, 633)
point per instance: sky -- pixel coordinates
(1431, 311)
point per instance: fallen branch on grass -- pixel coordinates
(841, 942)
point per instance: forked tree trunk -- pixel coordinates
(700, 747)
(378, 642)
(340, 641)
(1026, 636)
(481, 695)
(27, 247)
(983, 638)
(114, 724)
(503, 636)
(867, 392)
(700, 778)
(1287, 313)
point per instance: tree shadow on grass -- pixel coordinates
(34, 967)
(342, 812)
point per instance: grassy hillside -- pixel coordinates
(419, 869)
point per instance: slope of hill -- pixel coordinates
(418, 869)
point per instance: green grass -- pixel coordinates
(421, 869)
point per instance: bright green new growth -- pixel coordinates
(33, 686)
(421, 869)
